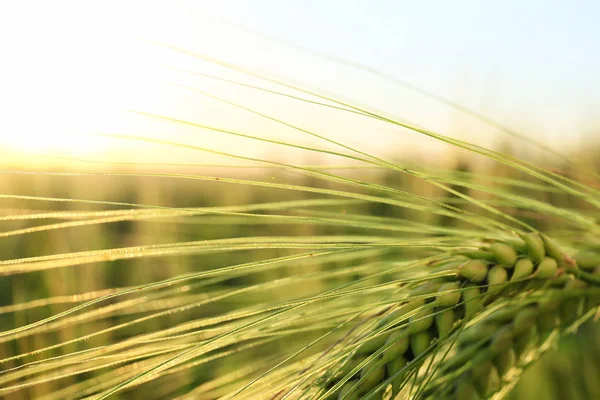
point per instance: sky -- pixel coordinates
(75, 72)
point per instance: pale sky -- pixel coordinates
(71, 68)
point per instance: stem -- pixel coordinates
(588, 277)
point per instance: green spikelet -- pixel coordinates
(448, 295)
(579, 286)
(392, 368)
(421, 321)
(345, 392)
(420, 342)
(444, 321)
(524, 341)
(371, 375)
(494, 382)
(504, 254)
(465, 354)
(535, 246)
(546, 269)
(502, 341)
(503, 315)
(427, 288)
(571, 309)
(550, 304)
(553, 249)
(398, 344)
(523, 269)
(496, 278)
(472, 300)
(525, 319)
(465, 390)
(504, 361)
(478, 332)
(588, 259)
(517, 244)
(576, 284)
(351, 364)
(396, 315)
(372, 344)
(473, 270)
(477, 255)
(481, 377)
(546, 321)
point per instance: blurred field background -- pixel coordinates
(568, 372)
(112, 123)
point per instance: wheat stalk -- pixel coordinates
(524, 275)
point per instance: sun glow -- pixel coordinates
(71, 75)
